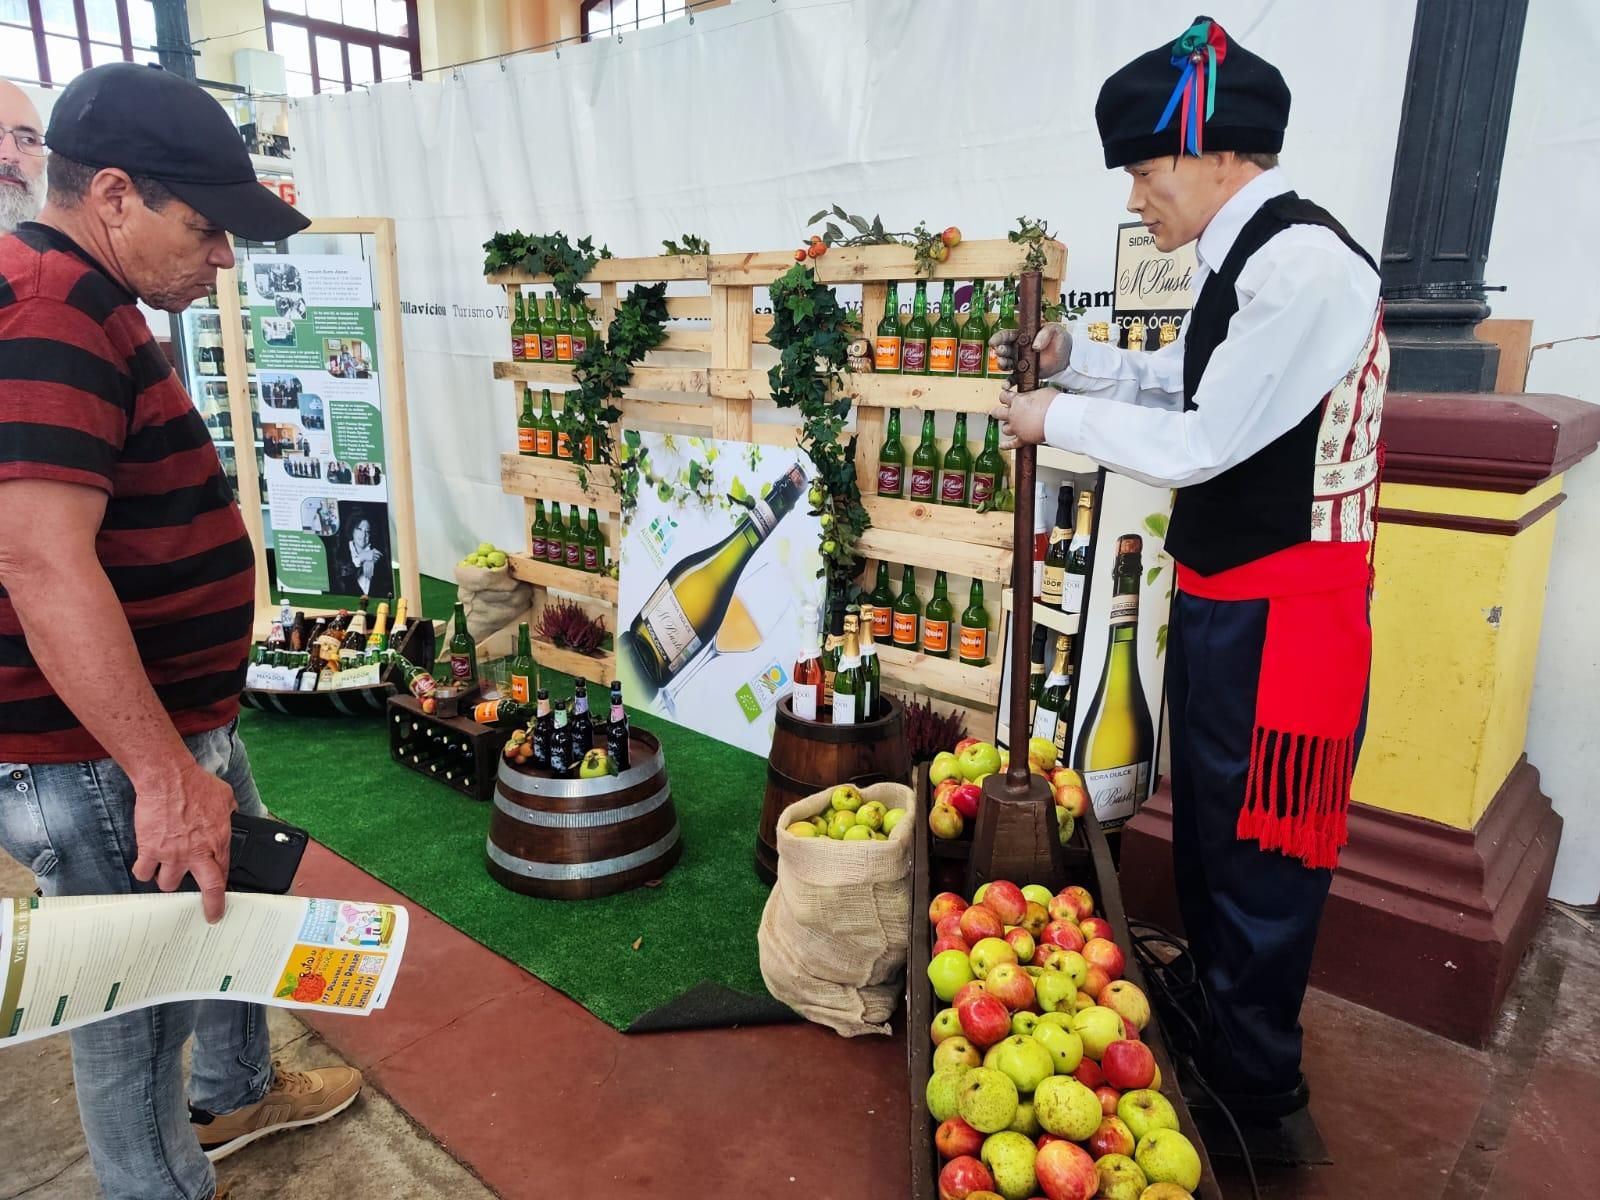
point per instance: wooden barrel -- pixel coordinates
(572, 839)
(809, 756)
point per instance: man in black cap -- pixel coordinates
(127, 601)
(1264, 416)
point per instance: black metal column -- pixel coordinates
(1453, 124)
(172, 37)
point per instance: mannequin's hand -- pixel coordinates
(1021, 416)
(1053, 343)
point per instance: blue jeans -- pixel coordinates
(72, 823)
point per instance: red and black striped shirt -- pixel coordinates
(87, 397)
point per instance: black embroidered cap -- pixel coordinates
(1202, 92)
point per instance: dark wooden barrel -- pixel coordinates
(809, 756)
(573, 839)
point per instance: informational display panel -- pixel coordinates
(719, 562)
(321, 404)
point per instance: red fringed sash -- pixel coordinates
(1314, 668)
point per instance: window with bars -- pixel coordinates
(337, 45)
(52, 41)
(602, 18)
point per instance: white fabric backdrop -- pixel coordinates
(741, 125)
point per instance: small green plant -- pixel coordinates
(690, 245)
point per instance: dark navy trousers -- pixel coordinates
(1250, 915)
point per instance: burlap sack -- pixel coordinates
(836, 928)
(492, 599)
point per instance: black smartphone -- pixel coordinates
(264, 856)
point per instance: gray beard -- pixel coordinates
(19, 204)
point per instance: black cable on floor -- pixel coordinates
(1159, 973)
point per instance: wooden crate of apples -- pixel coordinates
(955, 779)
(1041, 1084)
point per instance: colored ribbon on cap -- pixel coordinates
(1196, 53)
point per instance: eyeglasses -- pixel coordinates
(29, 141)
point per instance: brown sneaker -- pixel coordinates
(295, 1098)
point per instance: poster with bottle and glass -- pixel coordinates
(719, 561)
(321, 409)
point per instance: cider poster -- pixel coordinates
(716, 570)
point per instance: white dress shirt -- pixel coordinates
(1306, 306)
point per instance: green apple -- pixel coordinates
(978, 761)
(879, 836)
(1146, 1110)
(1166, 1156)
(1067, 1108)
(1098, 1027)
(856, 833)
(977, 896)
(1038, 893)
(989, 953)
(841, 821)
(946, 1024)
(821, 823)
(1009, 1157)
(1053, 990)
(1027, 1061)
(1061, 1017)
(1065, 1046)
(987, 1100)
(1064, 824)
(944, 1087)
(1120, 1178)
(846, 798)
(484, 548)
(871, 815)
(1073, 965)
(1022, 1022)
(891, 818)
(1025, 1121)
(944, 766)
(955, 1051)
(803, 829)
(991, 1057)
(497, 560)
(948, 972)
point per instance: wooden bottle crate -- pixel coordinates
(448, 746)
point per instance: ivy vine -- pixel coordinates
(604, 369)
(551, 254)
(810, 329)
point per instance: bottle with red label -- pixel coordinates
(974, 647)
(806, 698)
(937, 620)
(944, 336)
(563, 333)
(925, 462)
(519, 324)
(574, 546)
(547, 330)
(989, 468)
(955, 476)
(886, 347)
(914, 341)
(583, 330)
(540, 527)
(973, 348)
(892, 461)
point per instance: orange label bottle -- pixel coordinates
(935, 637)
(905, 630)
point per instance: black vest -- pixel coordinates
(1262, 505)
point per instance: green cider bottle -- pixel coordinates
(973, 648)
(563, 332)
(914, 342)
(955, 479)
(544, 429)
(937, 619)
(582, 330)
(972, 349)
(1008, 320)
(989, 468)
(574, 547)
(886, 347)
(538, 532)
(519, 330)
(906, 627)
(925, 462)
(594, 546)
(944, 337)
(892, 460)
(530, 330)
(882, 598)
(524, 674)
(547, 330)
(527, 426)
(463, 651)
(555, 548)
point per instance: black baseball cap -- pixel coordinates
(149, 122)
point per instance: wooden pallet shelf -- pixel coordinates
(652, 269)
(557, 479)
(645, 378)
(563, 579)
(596, 668)
(1050, 618)
(877, 391)
(942, 676)
(992, 564)
(869, 264)
(939, 521)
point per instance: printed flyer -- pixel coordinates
(322, 423)
(719, 561)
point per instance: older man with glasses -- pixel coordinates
(21, 158)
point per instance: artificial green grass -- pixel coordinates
(335, 779)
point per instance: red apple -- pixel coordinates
(1094, 982)
(1064, 934)
(943, 905)
(943, 790)
(962, 1176)
(1044, 954)
(950, 943)
(948, 926)
(1106, 955)
(1020, 940)
(1011, 985)
(1089, 1073)
(1079, 896)
(984, 1019)
(1128, 1065)
(1129, 1029)
(965, 742)
(1112, 1137)
(1045, 1139)
(965, 800)
(1070, 792)
(1096, 927)
(1128, 1000)
(971, 988)
(1007, 900)
(955, 1138)
(1034, 919)
(980, 922)
(945, 823)
(1108, 1100)
(1062, 908)
(1066, 1172)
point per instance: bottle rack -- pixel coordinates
(455, 751)
(720, 393)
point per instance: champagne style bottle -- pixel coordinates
(847, 680)
(806, 696)
(1055, 558)
(1076, 575)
